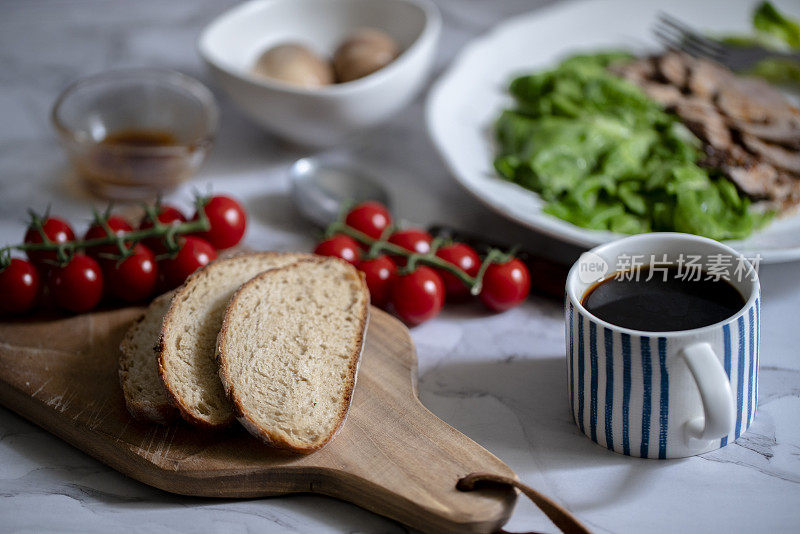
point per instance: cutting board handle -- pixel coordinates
(565, 521)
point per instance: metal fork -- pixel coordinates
(673, 33)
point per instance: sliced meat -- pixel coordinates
(779, 157)
(674, 68)
(636, 71)
(706, 77)
(750, 131)
(741, 156)
(704, 120)
(784, 132)
(792, 200)
(716, 159)
(759, 181)
(752, 100)
(665, 94)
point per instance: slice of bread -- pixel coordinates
(138, 367)
(289, 350)
(186, 359)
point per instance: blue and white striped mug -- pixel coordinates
(663, 394)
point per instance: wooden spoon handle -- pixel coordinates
(565, 521)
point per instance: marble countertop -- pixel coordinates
(499, 379)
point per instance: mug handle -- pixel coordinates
(719, 413)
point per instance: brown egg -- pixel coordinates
(363, 52)
(294, 63)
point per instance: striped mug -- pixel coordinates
(663, 394)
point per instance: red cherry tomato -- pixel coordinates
(370, 218)
(339, 246)
(166, 215)
(135, 278)
(194, 253)
(228, 222)
(379, 273)
(77, 286)
(413, 240)
(56, 231)
(505, 285)
(418, 296)
(117, 225)
(19, 287)
(465, 258)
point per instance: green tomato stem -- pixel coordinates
(378, 246)
(64, 251)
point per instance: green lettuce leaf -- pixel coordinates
(768, 20)
(778, 70)
(605, 156)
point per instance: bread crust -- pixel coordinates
(248, 423)
(184, 409)
(140, 409)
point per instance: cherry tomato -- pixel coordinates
(166, 215)
(117, 225)
(135, 278)
(77, 286)
(465, 258)
(379, 273)
(418, 296)
(19, 287)
(370, 218)
(194, 253)
(56, 230)
(505, 285)
(228, 222)
(339, 246)
(413, 240)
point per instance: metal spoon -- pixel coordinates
(320, 184)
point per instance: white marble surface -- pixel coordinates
(499, 379)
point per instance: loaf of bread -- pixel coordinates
(186, 348)
(289, 349)
(138, 367)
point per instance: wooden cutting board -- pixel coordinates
(392, 456)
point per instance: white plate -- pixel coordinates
(466, 100)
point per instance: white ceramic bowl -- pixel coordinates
(320, 116)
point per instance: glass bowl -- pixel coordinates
(135, 133)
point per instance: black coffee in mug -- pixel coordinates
(662, 301)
